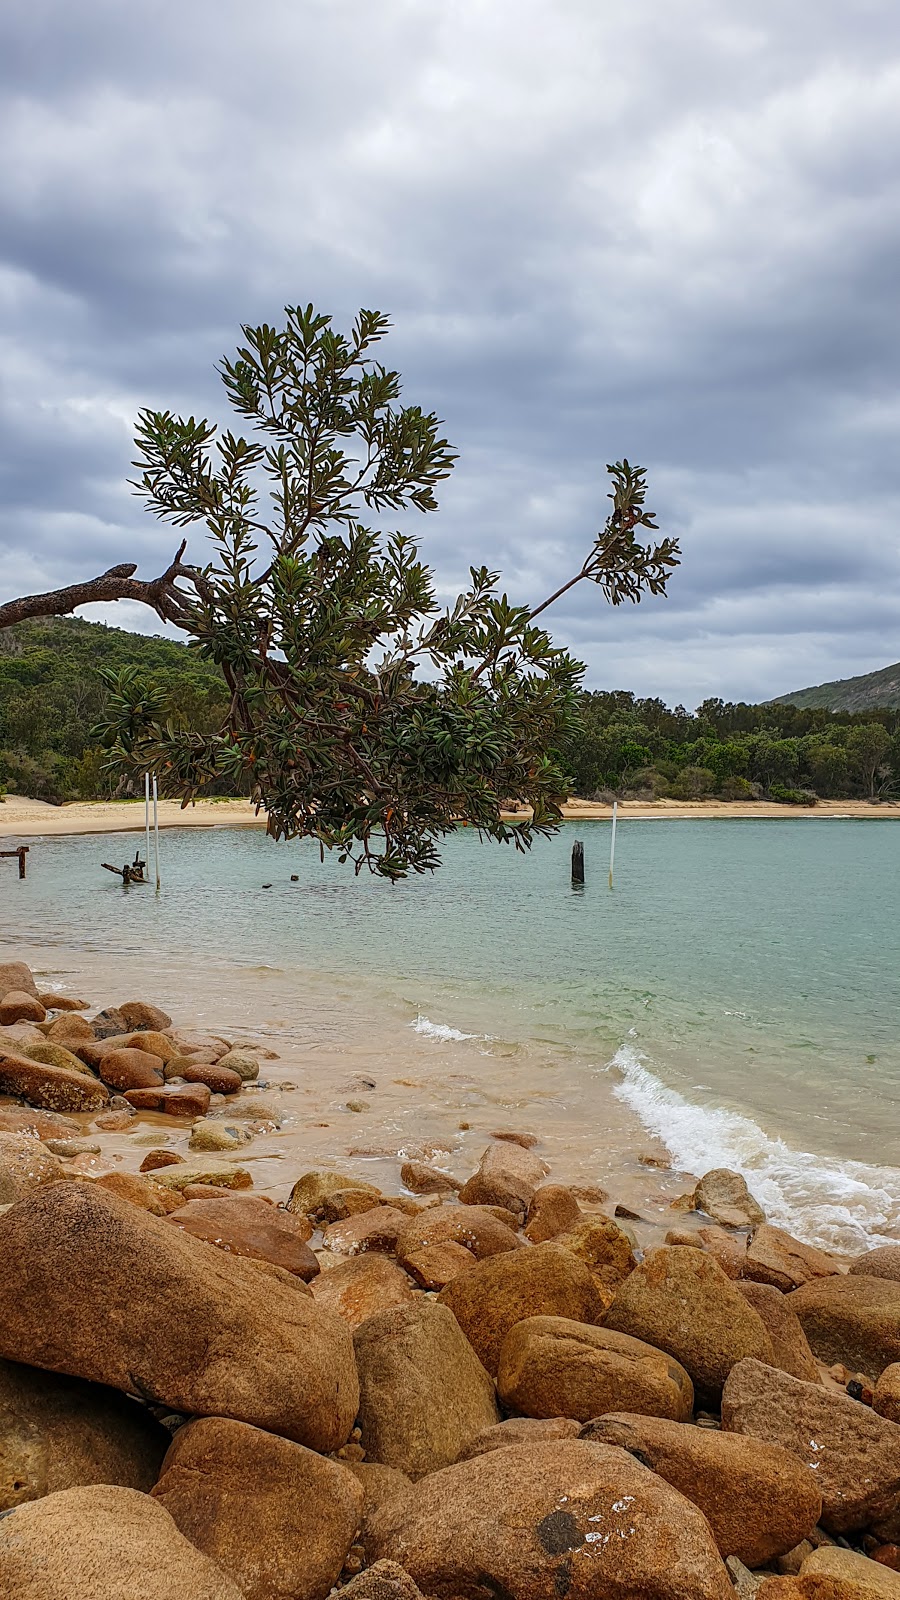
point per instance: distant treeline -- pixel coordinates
(627, 746)
(52, 698)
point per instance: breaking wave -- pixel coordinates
(840, 1205)
(441, 1031)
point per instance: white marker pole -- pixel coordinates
(156, 830)
(147, 823)
(612, 842)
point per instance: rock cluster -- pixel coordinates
(476, 1386)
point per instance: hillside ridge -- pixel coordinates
(867, 692)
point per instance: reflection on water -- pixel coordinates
(741, 980)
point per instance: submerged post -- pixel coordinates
(21, 852)
(612, 842)
(147, 819)
(156, 830)
(578, 863)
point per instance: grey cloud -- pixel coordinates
(665, 230)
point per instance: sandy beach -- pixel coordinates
(22, 818)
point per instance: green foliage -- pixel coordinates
(792, 797)
(737, 752)
(359, 712)
(52, 692)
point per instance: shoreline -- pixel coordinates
(22, 818)
(461, 1302)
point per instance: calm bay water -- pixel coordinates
(736, 995)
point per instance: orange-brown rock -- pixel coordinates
(161, 1158)
(473, 1227)
(553, 1367)
(130, 1069)
(39, 1124)
(142, 1192)
(69, 1030)
(277, 1518)
(210, 1191)
(886, 1398)
(423, 1392)
(520, 1430)
(361, 1287)
(564, 1518)
(852, 1454)
(310, 1191)
(140, 1016)
(541, 1280)
(18, 1006)
(103, 1543)
(57, 1432)
(831, 1573)
(25, 1164)
(435, 1265)
(115, 1121)
(383, 1580)
(376, 1229)
(108, 1023)
(244, 1062)
(50, 1088)
(154, 1043)
(759, 1500)
(343, 1203)
(192, 1100)
(207, 1333)
(854, 1320)
(219, 1175)
(245, 1225)
(790, 1345)
(62, 1002)
(218, 1079)
(681, 1301)
(724, 1196)
(379, 1483)
(422, 1179)
(883, 1262)
(553, 1210)
(774, 1257)
(50, 1054)
(16, 978)
(603, 1246)
(507, 1176)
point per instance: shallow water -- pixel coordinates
(735, 996)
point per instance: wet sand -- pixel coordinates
(21, 818)
(356, 1088)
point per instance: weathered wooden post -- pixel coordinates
(578, 864)
(20, 852)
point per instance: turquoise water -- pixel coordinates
(738, 990)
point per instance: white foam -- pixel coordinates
(840, 1205)
(441, 1031)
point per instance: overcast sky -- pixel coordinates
(666, 229)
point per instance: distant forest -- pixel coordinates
(52, 697)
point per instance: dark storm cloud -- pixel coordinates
(666, 230)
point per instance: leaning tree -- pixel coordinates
(360, 713)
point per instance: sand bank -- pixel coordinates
(23, 818)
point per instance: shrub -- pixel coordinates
(693, 783)
(737, 788)
(791, 797)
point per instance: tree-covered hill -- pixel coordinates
(52, 696)
(870, 691)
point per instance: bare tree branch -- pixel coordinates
(118, 583)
